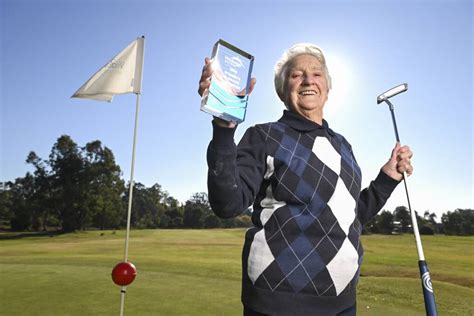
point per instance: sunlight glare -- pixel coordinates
(342, 81)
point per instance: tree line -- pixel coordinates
(459, 222)
(80, 188)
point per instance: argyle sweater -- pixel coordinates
(303, 255)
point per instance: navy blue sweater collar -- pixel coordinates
(301, 123)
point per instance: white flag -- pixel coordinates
(123, 74)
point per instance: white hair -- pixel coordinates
(281, 67)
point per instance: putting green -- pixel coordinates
(197, 272)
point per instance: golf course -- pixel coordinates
(197, 272)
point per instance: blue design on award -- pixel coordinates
(225, 102)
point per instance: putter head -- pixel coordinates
(392, 92)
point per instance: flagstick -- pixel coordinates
(130, 195)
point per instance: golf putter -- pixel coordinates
(428, 294)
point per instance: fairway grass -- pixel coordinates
(197, 272)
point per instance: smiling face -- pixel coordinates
(306, 87)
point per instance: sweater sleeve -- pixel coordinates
(373, 198)
(235, 172)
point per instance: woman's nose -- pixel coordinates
(308, 79)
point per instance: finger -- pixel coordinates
(405, 166)
(406, 149)
(206, 72)
(404, 153)
(207, 68)
(407, 171)
(204, 81)
(203, 86)
(395, 151)
(404, 156)
(253, 81)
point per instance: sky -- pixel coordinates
(50, 48)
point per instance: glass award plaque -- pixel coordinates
(227, 95)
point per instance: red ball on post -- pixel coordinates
(124, 273)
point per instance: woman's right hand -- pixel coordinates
(205, 82)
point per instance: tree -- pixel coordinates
(172, 218)
(103, 186)
(402, 215)
(243, 221)
(193, 216)
(149, 206)
(41, 204)
(200, 198)
(83, 184)
(22, 191)
(370, 227)
(426, 230)
(80, 187)
(158, 197)
(459, 222)
(428, 224)
(381, 223)
(196, 210)
(212, 221)
(385, 222)
(68, 183)
(169, 201)
(5, 203)
(141, 207)
(432, 218)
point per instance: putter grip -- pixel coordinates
(428, 294)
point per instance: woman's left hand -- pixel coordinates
(399, 162)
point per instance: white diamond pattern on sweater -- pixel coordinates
(260, 256)
(344, 266)
(343, 206)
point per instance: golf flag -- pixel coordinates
(122, 74)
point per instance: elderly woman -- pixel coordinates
(303, 254)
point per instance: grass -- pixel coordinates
(197, 272)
